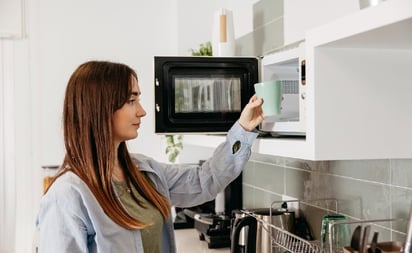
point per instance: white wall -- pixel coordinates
(124, 31)
(195, 21)
(11, 18)
(127, 31)
(62, 35)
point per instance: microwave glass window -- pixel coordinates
(205, 95)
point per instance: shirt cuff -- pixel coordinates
(238, 133)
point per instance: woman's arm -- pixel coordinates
(190, 185)
(193, 185)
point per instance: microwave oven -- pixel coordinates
(196, 94)
(201, 93)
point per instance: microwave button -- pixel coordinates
(157, 82)
(157, 108)
(303, 95)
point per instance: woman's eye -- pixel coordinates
(131, 101)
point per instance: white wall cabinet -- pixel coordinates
(359, 89)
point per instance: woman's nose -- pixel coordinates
(140, 111)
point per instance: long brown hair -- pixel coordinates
(94, 92)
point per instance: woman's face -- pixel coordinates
(127, 119)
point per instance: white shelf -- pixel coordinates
(358, 89)
(209, 141)
(358, 84)
(269, 146)
(387, 25)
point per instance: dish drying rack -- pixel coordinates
(294, 244)
(332, 225)
(284, 239)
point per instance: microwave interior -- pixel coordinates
(201, 94)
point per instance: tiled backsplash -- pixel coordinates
(364, 189)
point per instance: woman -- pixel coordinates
(105, 199)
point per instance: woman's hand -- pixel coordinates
(252, 114)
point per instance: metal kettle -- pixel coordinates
(250, 236)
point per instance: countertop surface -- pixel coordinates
(187, 241)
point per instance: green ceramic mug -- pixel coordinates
(271, 93)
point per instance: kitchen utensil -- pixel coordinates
(241, 228)
(372, 248)
(390, 247)
(408, 240)
(365, 239)
(257, 235)
(355, 241)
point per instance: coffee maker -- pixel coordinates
(212, 220)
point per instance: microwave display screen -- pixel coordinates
(207, 94)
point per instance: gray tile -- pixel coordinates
(373, 170)
(261, 41)
(313, 186)
(354, 197)
(270, 37)
(401, 207)
(265, 11)
(363, 200)
(248, 175)
(397, 237)
(264, 199)
(402, 172)
(245, 45)
(248, 197)
(295, 182)
(322, 166)
(269, 177)
(276, 160)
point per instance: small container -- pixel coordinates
(223, 36)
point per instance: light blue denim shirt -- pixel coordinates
(71, 220)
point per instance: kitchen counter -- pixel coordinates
(187, 240)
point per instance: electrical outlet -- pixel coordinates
(293, 204)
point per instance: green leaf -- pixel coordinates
(204, 50)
